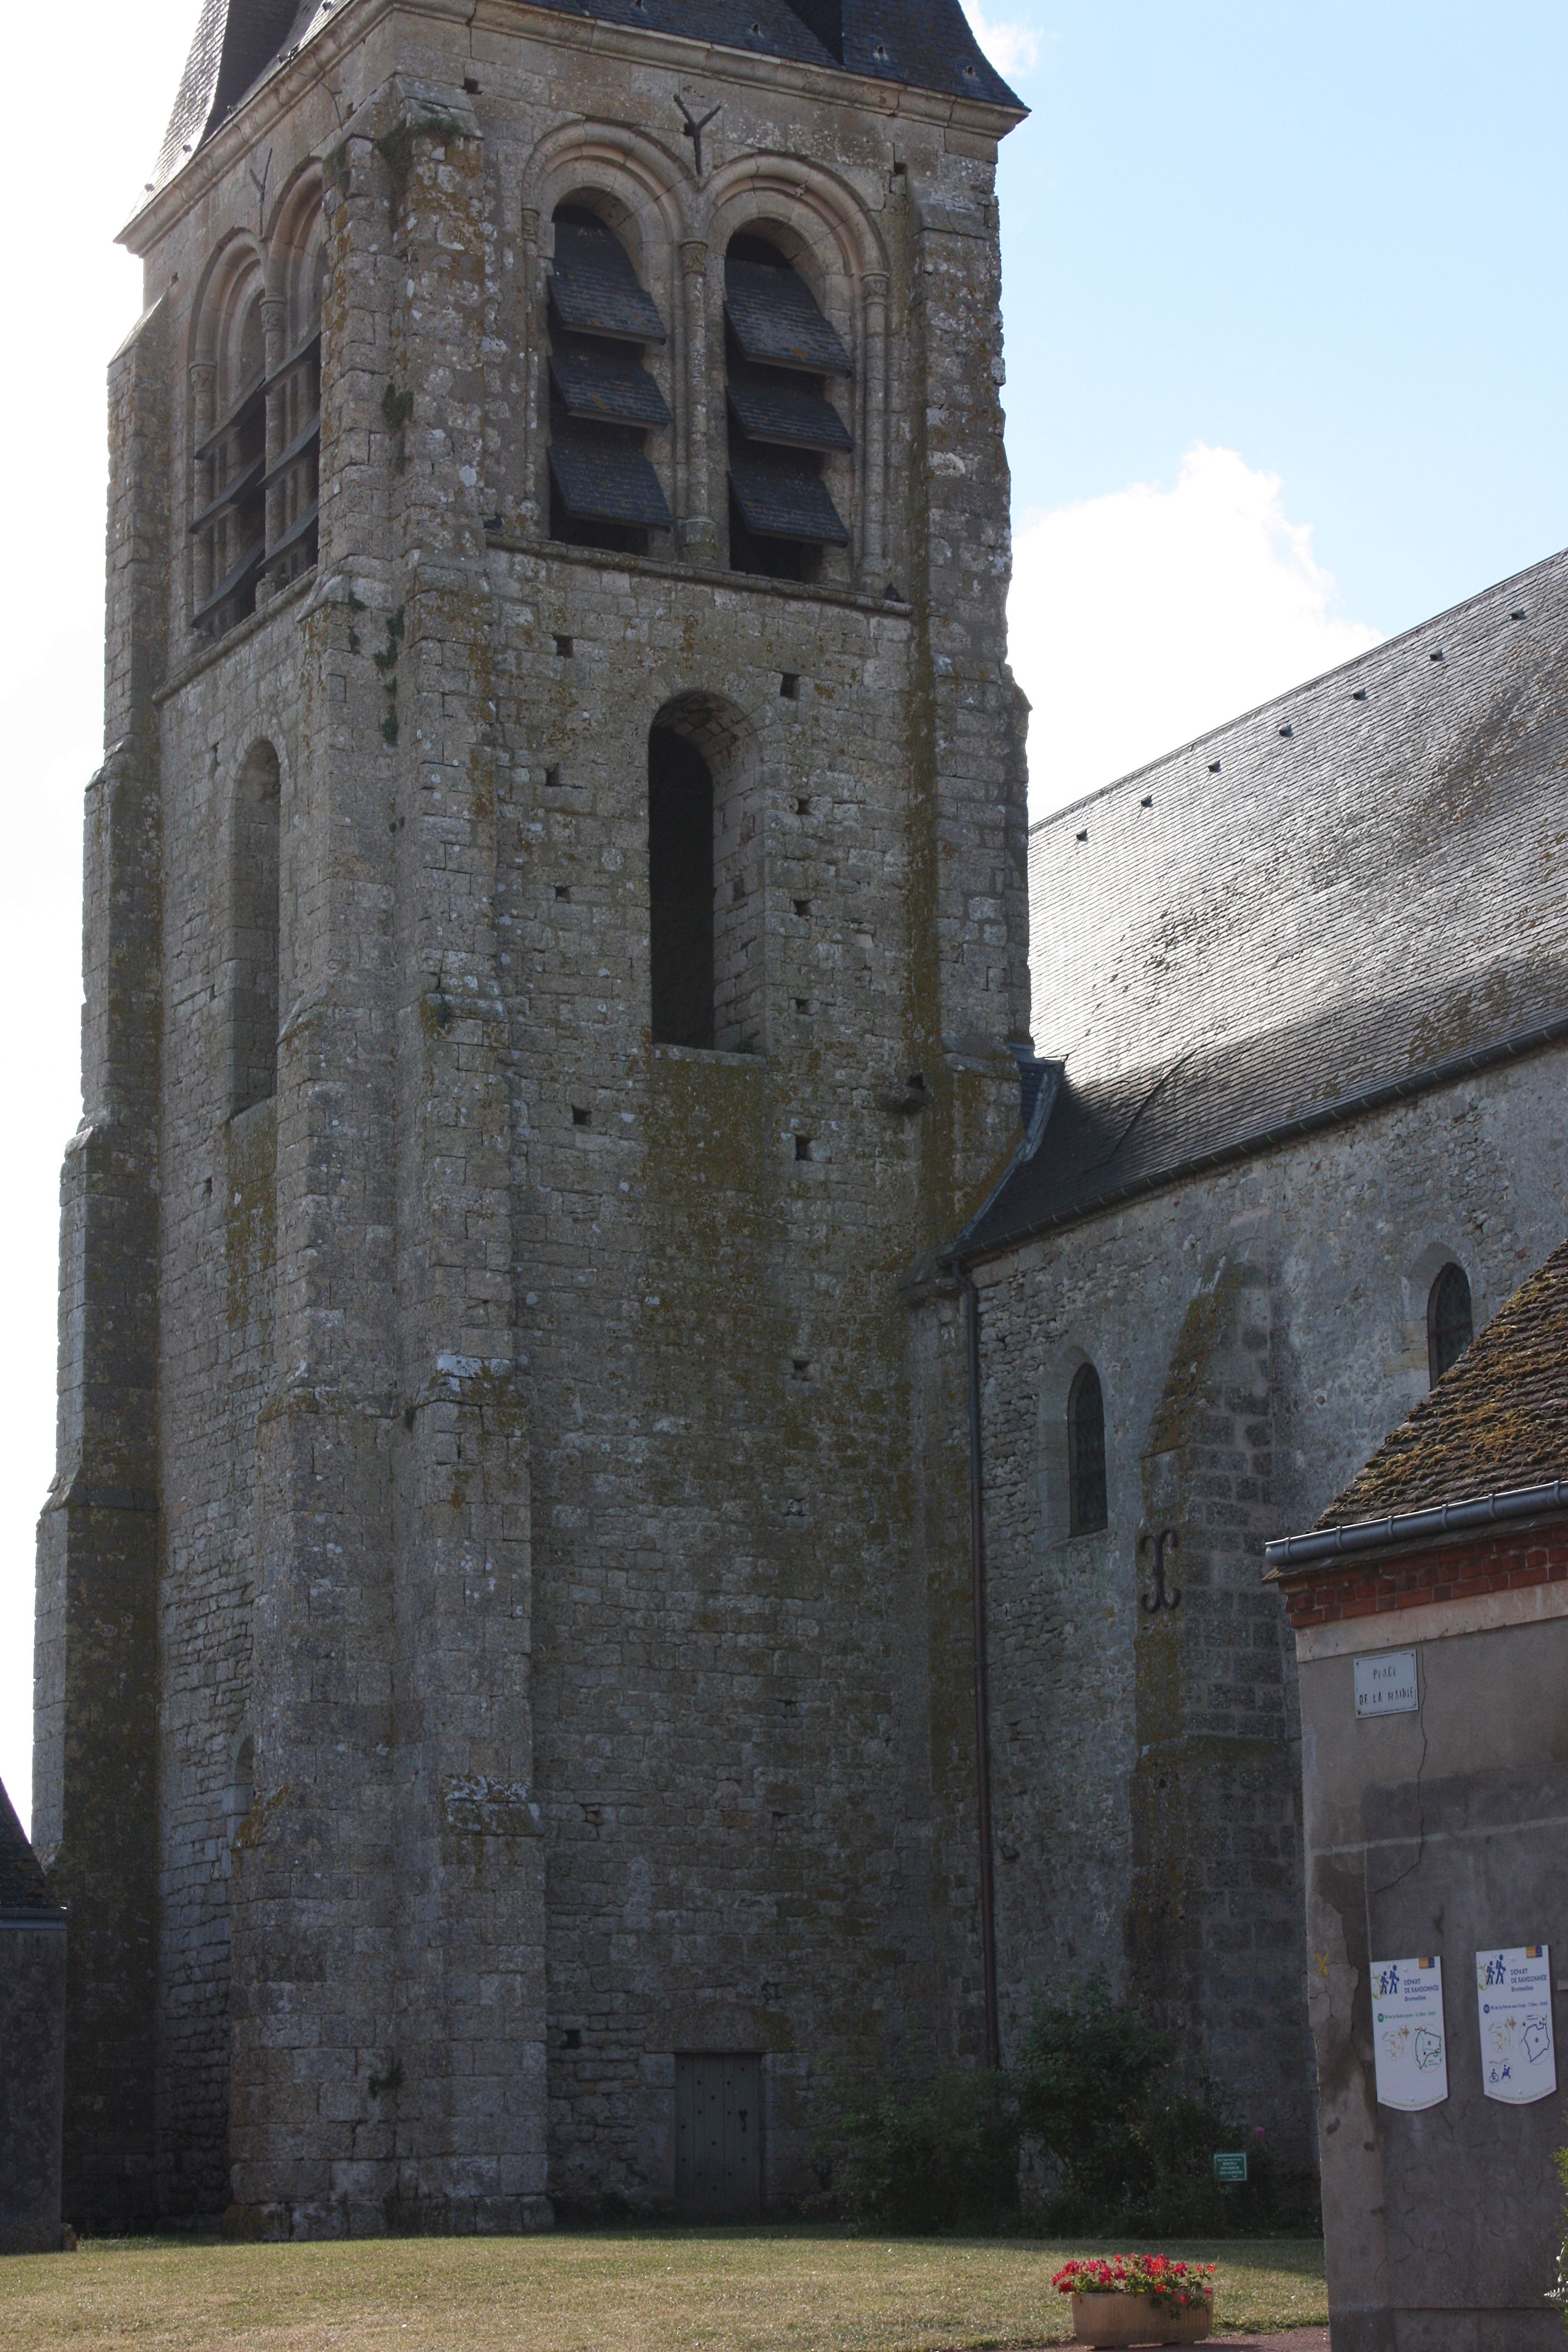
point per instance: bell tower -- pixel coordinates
(555, 929)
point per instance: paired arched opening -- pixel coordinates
(704, 860)
(228, 529)
(603, 491)
(256, 417)
(1450, 1320)
(252, 930)
(781, 350)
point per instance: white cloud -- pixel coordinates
(1141, 619)
(1011, 47)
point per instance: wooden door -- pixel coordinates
(718, 2138)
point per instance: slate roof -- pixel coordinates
(923, 44)
(1496, 1422)
(1340, 897)
(22, 1886)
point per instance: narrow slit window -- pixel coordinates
(1451, 1321)
(603, 491)
(680, 890)
(1086, 1453)
(780, 349)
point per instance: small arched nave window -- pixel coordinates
(1450, 1320)
(604, 492)
(1086, 1453)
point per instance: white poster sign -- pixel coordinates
(1513, 1989)
(1385, 1685)
(1408, 2041)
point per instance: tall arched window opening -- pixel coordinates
(294, 430)
(1450, 1320)
(779, 349)
(253, 933)
(603, 491)
(1086, 1453)
(229, 528)
(681, 890)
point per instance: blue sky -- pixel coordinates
(1327, 240)
(1286, 335)
(1331, 237)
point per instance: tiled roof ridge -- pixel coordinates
(1497, 1419)
(1229, 726)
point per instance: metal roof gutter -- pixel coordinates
(1324, 1544)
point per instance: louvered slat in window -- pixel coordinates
(777, 324)
(606, 478)
(780, 496)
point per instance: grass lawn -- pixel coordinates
(782, 2289)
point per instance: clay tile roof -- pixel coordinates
(923, 44)
(1497, 1421)
(1339, 895)
(22, 1886)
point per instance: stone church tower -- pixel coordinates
(555, 928)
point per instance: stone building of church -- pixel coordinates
(557, 998)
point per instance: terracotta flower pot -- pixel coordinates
(1136, 2319)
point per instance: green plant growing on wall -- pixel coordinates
(1127, 2145)
(1558, 2294)
(917, 2155)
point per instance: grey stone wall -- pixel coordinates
(32, 2080)
(559, 1666)
(1257, 1331)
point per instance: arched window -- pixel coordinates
(1086, 1453)
(603, 402)
(294, 429)
(779, 348)
(1450, 1323)
(681, 890)
(253, 933)
(229, 526)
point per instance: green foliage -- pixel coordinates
(919, 2154)
(1130, 2148)
(1558, 2294)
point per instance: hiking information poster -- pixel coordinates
(1513, 1991)
(1408, 2041)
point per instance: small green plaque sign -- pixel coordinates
(1231, 2167)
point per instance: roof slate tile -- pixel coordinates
(1263, 925)
(1496, 1422)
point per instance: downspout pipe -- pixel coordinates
(981, 1694)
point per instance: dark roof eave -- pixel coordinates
(1338, 1113)
(998, 116)
(1320, 1547)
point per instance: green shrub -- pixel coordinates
(920, 2155)
(1558, 2294)
(1128, 2146)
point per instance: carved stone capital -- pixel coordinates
(693, 256)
